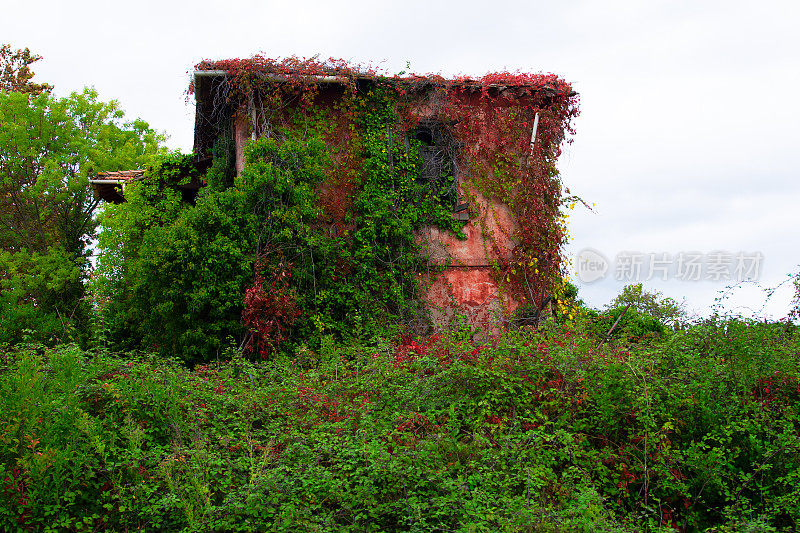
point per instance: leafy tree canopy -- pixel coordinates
(650, 303)
(49, 148)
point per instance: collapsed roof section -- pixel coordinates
(109, 186)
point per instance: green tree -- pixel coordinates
(49, 148)
(644, 316)
(171, 275)
(150, 203)
(649, 303)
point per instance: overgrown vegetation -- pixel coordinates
(269, 259)
(311, 401)
(49, 148)
(531, 431)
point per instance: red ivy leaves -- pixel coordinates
(270, 309)
(493, 118)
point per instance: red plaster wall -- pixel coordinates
(467, 285)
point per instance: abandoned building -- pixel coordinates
(495, 140)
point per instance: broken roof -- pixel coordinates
(108, 185)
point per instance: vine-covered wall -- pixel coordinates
(505, 191)
(339, 203)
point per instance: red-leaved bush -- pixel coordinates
(270, 309)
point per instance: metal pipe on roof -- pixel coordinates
(207, 74)
(533, 133)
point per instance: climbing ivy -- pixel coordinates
(320, 232)
(330, 268)
(490, 120)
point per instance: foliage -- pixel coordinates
(650, 303)
(633, 326)
(35, 295)
(506, 165)
(794, 312)
(528, 431)
(51, 146)
(637, 316)
(276, 256)
(16, 73)
(488, 122)
(172, 275)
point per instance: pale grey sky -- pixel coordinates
(688, 138)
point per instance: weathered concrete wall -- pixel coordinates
(241, 134)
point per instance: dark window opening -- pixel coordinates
(188, 195)
(437, 152)
(424, 134)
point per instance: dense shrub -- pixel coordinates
(634, 326)
(531, 431)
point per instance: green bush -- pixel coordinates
(634, 326)
(529, 431)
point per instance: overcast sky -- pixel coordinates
(687, 142)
